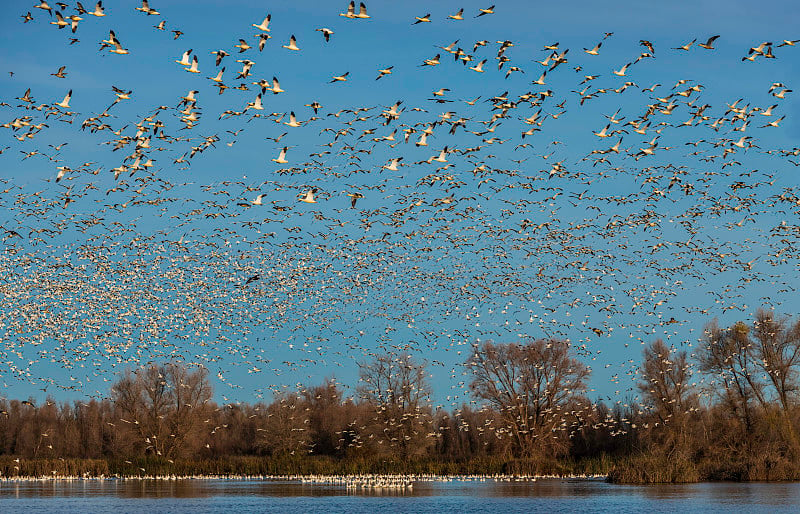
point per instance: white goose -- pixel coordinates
(145, 8)
(308, 197)
(282, 156)
(60, 21)
(292, 44)
(621, 71)
(184, 61)
(64, 104)
(326, 32)
(193, 67)
(218, 78)
(276, 86)
(256, 104)
(457, 16)
(478, 67)
(98, 10)
(393, 163)
(264, 26)
(292, 121)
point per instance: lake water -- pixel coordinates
(240, 496)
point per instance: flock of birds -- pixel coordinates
(361, 483)
(420, 224)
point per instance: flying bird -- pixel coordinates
(264, 25)
(351, 11)
(326, 33)
(384, 71)
(281, 159)
(709, 45)
(457, 16)
(292, 44)
(146, 9)
(308, 196)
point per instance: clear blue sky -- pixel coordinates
(518, 243)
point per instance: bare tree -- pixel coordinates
(665, 381)
(161, 405)
(286, 428)
(728, 356)
(190, 394)
(329, 415)
(531, 385)
(397, 389)
(777, 352)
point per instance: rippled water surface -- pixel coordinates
(239, 496)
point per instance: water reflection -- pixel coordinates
(559, 492)
(155, 489)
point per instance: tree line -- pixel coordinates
(729, 410)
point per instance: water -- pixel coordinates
(198, 496)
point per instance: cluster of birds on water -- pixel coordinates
(420, 224)
(359, 482)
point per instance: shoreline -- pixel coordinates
(326, 480)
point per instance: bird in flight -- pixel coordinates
(457, 16)
(709, 44)
(326, 33)
(351, 11)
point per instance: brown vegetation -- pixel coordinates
(729, 411)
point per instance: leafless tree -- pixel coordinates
(162, 406)
(777, 352)
(531, 385)
(397, 390)
(286, 430)
(665, 381)
(329, 416)
(728, 355)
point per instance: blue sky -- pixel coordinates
(352, 283)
